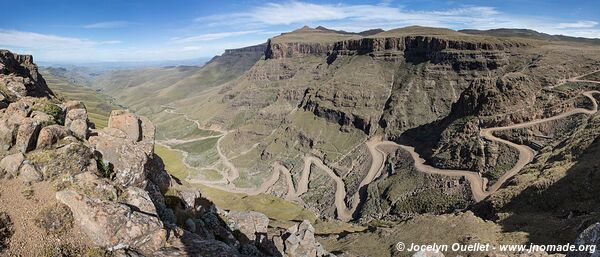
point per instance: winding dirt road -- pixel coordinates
(526, 154)
(476, 181)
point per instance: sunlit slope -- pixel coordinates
(98, 105)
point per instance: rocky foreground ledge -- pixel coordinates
(114, 185)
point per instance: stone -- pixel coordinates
(95, 186)
(148, 129)
(75, 114)
(133, 160)
(68, 160)
(42, 117)
(299, 240)
(139, 198)
(28, 173)
(110, 224)
(27, 135)
(51, 135)
(79, 128)
(126, 122)
(73, 104)
(8, 133)
(18, 110)
(249, 223)
(589, 237)
(126, 157)
(10, 164)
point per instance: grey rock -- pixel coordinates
(109, 224)
(51, 135)
(27, 135)
(126, 122)
(249, 223)
(28, 173)
(79, 128)
(10, 164)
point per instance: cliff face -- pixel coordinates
(411, 45)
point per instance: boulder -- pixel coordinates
(126, 122)
(95, 187)
(8, 133)
(42, 117)
(148, 129)
(28, 173)
(128, 159)
(27, 135)
(249, 223)
(73, 104)
(589, 237)
(75, 114)
(79, 128)
(70, 159)
(9, 165)
(140, 198)
(111, 225)
(299, 240)
(193, 200)
(133, 159)
(51, 135)
(18, 110)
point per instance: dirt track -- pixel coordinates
(476, 181)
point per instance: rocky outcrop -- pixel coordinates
(127, 145)
(299, 241)
(114, 225)
(19, 77)
(251, 224)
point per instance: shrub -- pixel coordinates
(5, 230)
(55, 219)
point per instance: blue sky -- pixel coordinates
(135, 30)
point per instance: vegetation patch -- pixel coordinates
(428, 201)
(5, 230)
(55, 219)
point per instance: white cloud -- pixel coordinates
(296, 12)
(23, 39)
(361, 17)
(107, 25)
(577, 25)
(212, 36)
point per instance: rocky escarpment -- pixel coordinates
(260, 49)
(113, 187)
(416, 47)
